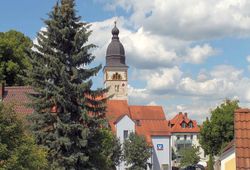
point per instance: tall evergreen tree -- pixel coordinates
(63, 98)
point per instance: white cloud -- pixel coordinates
(248, 58)
(152, 103)
(223, 81)
(165, 79)
(199, 54)
(146, 50)
(190, 19)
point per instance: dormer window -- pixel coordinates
(191, 124)
(183, 125)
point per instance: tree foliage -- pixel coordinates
(61, 78)
(108, 151)
(136, 152)
(210, 164)
(219, 130)
(13, 58)
(189, 156)
(17, 148)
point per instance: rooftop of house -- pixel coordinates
(149, 120)
(242, 138)
(182, 124)
(16, 96)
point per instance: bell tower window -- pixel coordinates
(116, 76)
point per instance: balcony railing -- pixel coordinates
(184, 142)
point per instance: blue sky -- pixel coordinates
(186, 56)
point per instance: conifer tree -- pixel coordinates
(63, 99)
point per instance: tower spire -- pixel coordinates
(115, 71)
(115, 32)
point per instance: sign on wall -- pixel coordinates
(159, 146)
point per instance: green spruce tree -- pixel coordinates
(61, 78)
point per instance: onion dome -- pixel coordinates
(115, 55)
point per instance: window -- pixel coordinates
(191, 137)
(178, 137)
(191, 124)
(185, 137)
(116, 76)
(183, 125)
(125, 134)
(164, 166)
(116, 88)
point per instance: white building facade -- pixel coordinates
(184, 134)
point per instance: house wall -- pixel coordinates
(194, 141)
(174, 139)
(161, 157)
(124, 124)
(228, 160)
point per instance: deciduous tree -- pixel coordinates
(107, 152)
(189, 156)
(219, 130)
(13, 58)
(17, 148)
(136, 152)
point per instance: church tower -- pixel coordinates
(115, 70)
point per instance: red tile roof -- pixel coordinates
(151, 118)
(17, 95)
(150, 128)
(147, 113)
(229, 146)
(115, 110)
(176, 122)
(242, 138)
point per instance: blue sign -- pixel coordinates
(159, 146)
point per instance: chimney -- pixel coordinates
(1, 90)
(186, 115)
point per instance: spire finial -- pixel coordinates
(115, 31)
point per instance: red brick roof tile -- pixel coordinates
(150, 128)
(176, 122)
(17, 95)
(116, 109)
(151, 118)
(242, 138)
(147, 113)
